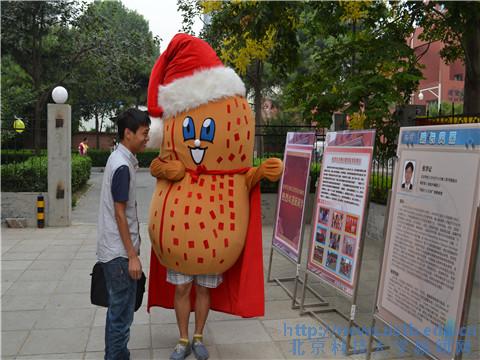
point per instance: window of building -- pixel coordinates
(458, 77)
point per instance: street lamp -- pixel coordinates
(60, 95)
(437, 94)
(18, 125)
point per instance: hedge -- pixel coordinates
(32, 174)
(18, 156)
(100, 157)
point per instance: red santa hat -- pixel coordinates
(187, 75)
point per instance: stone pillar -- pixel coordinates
(59, 165)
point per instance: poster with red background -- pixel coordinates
(292, 194)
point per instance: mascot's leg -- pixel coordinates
(182, 308)
(203, 284)
(183, 286)
(202, 306)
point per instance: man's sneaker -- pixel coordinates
(199, 350)
(181, 351)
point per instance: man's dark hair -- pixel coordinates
(409, 165)
(131, 119)
(85, 138)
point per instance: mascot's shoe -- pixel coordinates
(181, 351)
(199, 350)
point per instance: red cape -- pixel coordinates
(242, 290)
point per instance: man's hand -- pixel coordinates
(134, 267)
(172, 170)
(271, 169)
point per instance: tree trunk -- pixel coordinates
(40, 132)
(97, 135)
(37, 118)
(257, 105)
(471, 44)
(37, 128)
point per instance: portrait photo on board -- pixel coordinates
(408, 175)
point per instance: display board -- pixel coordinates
(431, 236)
(340, 208)
(292, 194)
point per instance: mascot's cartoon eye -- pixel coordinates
(208, 130)
(188, 129)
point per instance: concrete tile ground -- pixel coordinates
(46, 310)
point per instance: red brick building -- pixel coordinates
(442, 82)
(105, 140)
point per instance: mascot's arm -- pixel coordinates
(172, 170)
(271, 169)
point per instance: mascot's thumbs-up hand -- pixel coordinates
(172, 170)
(271, 169)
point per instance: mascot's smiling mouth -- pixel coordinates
(197, 154)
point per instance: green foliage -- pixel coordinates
(100, 51)
(40, 37)
(17, 95)
(81, 166)
(245, 31)
(32, 174)
(100, 157)
(18, 156)
(250, 36)
(352, 54)
(446, 108)
(115, 74)
(28, 176)
(145, 158)
(379, 186)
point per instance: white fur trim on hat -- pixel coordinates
(200, 88)
(155, 134)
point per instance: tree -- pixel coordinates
(457, 25)
(101, 52)
(248, 35)
(116, 74)
(354, 59)
(17, 96)
(37, 35)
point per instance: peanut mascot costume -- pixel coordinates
(205, 212)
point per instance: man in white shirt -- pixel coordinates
(118, 240)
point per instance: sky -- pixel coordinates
(162, 16)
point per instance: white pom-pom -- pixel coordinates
(155, 134)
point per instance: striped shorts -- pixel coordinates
(209, 280)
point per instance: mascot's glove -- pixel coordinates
(172, 170)
(271, 169)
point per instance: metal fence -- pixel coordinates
(23, 168)
(18, 145)
(271, 142)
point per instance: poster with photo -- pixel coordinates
(340, 208)
(431, 236)
(292, 194)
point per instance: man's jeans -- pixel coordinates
(121, 292)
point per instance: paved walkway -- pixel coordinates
(46, 310)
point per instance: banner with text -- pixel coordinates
(340, 208)
(429, 247)
(292, 194)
